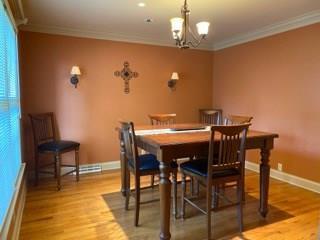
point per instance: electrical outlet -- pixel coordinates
(280, 167)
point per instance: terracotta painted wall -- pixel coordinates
(89, 114)
(277, 81)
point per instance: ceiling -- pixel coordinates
(124, 20)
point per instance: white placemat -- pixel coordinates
(168, 131)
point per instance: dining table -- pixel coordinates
(170, 142)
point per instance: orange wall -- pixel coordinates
(277, 81)
(89, 113)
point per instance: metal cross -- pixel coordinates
(126, 74)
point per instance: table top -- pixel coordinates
(164, 135)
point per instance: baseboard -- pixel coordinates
(12, 224)
(286, 177)
(111, 165)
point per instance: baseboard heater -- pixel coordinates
(89, 169)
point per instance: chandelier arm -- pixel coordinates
(193, 35)
(198, 42)
(194, 45)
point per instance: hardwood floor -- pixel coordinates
(94, 209)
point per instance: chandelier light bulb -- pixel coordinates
(203, 28)
(176, 24)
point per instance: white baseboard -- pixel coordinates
(286, 177)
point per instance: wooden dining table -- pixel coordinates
(185, 140)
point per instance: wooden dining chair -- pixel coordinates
(225, 164)
(46, 142)
(161, 119)
(141, 165)
(231, 120)
(237, 119)
(210, 116)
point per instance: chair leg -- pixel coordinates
(174, 191)
(191, 186)
(137, 204)
(216, 196)
(209, 201)
(36, 170)
(58, 160)
(55, 167)
(77, 163)
(128, 191)
(183, 192)
(243, 185)
(152, 181)
(240, 202)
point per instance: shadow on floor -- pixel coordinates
(224, 223)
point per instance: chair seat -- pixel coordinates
(57, 146)
(149, 162)
(200, 167)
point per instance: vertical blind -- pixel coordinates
(10, 150)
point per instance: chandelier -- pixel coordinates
(180, 29)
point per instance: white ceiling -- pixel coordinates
(123, 19)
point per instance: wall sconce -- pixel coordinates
(173, 81)
(75, 73)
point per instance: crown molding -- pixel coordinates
(104, 36)
(293, 23)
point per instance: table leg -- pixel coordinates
(123, 165)
(264, 181)
(165, 196)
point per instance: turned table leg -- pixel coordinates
(165, 196)
(264, 181)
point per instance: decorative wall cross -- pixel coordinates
(126, 74)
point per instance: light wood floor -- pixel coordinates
(94, 209)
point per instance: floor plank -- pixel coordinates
(94, 209)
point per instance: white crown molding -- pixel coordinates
(290, 24)
(288, 178)
(104, 36)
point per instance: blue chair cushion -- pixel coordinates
(57, 146)
(150, 162)
(200, 167)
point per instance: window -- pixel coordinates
(10, 150)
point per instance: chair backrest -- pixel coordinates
(210, 116)
(236, 119)
(42, 127)
(227, 147)
(163, 118)
(130, 146)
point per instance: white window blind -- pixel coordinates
(10, 149)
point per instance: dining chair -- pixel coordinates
(46, 142)
(210, 116)
(237, 119)
(141, 165)
(231, 120)
(225, 164)
(161, 119)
